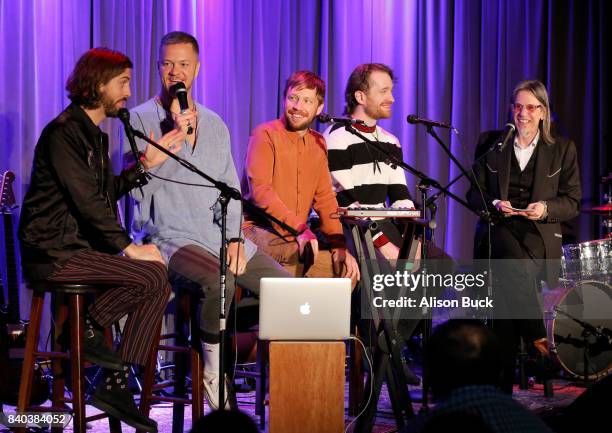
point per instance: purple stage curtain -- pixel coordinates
(40, 43)
(454, 61)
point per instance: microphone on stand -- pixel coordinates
(180, 91)
(124, 115)
(507, 137)
(433, 208)
(413, 119)
(326, 118)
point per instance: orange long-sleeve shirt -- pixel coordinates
(286, 175)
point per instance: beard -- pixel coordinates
(111, 108)
(298, 125)
(378, 112)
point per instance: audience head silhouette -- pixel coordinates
(461, 353)
(222, 421)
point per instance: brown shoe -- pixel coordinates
(542, 345)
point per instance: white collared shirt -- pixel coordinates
(524, 154)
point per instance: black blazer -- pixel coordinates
(556, 181)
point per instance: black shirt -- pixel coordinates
(71, 201)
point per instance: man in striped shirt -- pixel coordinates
(360, 172)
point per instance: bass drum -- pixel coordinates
(579, 309)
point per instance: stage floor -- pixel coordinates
(564, 393)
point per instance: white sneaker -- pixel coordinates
(211, 391)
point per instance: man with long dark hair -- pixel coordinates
(69, 230)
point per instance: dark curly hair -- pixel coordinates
(96, 67)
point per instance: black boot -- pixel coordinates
(113, 396)
(95, 349)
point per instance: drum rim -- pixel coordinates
(591, 242)
(550, 317)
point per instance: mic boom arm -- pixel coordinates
(424, 178)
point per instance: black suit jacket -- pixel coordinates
(556, 181)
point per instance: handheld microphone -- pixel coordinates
(506, 137)
(180, 91)
(326, 118)
(412, 118)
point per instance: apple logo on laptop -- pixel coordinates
(305, 309)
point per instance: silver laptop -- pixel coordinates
(304, 308)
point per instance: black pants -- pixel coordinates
(518, 252)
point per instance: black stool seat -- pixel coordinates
(68, 287)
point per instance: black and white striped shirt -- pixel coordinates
(360, 172)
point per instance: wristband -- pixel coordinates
(380, 240)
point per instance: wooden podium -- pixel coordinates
(306, 387)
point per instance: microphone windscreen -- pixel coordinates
(123, 114)
(323, 117)
(178, 88)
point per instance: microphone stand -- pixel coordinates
(493, 148)
(143, 176)
(430, 203)
(226, 193)
(587, 330)
(433, 133)
(422, 176)
(425, 183)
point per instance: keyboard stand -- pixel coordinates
(387, 365)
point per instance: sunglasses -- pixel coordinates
(517, 108)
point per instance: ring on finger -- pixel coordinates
(172, 146)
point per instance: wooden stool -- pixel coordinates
(259, 373)
(185, 326)
(258, 370)
(74, 312)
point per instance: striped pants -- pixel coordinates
(142, 291)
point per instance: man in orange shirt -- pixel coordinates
(287, 174)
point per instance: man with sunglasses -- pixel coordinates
(532, 185)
